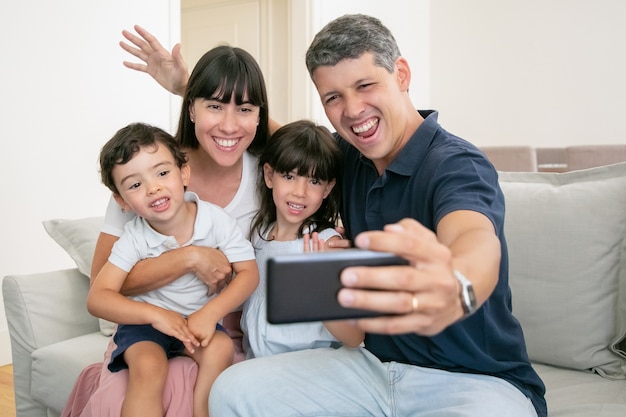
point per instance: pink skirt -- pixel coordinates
(98, 392)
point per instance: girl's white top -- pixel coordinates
(262, 338)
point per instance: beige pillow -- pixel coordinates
(566, 236)
(78, 237)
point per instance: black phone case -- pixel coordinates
(303, 287)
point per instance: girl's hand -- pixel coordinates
(175, 325)
(313, 243)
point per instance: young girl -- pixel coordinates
(299, 212)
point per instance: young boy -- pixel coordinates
(147, 172)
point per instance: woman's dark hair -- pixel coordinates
(310, 150)
(222, 73)
(127, 142)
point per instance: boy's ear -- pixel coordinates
(118, 198)
(268, 171)
(185, 173)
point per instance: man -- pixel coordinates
(450, 345)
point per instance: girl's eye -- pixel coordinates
(163, 173)
(287, 176)
(134, 186)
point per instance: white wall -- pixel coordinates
(64, 93)
(537, 72)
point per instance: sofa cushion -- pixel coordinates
(566, 239)
(62, 362)
(78, 237)
(572, 393)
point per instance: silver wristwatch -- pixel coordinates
(468, 298)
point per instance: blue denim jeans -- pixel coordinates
(354, 383)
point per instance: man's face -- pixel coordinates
(367, 105)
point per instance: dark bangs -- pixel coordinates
(228, 78)
(305, 153)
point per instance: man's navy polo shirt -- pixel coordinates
(434, 174)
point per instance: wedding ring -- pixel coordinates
(414, 303)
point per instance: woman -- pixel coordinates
(223, 125)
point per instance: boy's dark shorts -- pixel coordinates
(129, 334)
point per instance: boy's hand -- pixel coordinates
(202, 326)
(175, 325)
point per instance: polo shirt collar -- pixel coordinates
(414, 151)
(200, 228)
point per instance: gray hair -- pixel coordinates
(349, 37)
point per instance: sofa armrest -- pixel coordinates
(43, 309)
(46, 308)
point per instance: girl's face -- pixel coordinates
(296, 197)
(224, 131)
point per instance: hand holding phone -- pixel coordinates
(303, 287)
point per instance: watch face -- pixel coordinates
(471, 298)
(468, 297)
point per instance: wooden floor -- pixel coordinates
(7, 401)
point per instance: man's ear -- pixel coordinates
(403, 72)
(268, 172)
(118, 198)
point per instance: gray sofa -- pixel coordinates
(566, 235)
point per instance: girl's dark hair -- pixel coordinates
(222, 73)
(310, 150)
(127, 142)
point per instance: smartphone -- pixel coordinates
(303, 287)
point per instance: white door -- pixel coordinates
(208, 23)
(258, 26)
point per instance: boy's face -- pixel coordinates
(150, 184)
(367, 105)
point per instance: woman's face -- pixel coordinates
(224, 130)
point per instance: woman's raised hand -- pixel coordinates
(168, 69)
